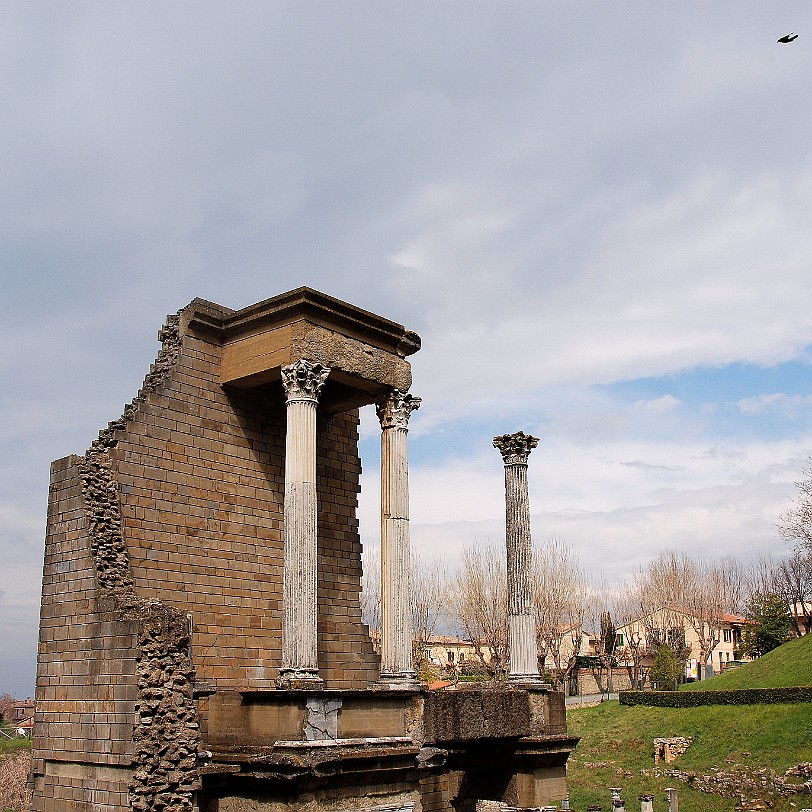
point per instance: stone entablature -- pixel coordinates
(366, 352)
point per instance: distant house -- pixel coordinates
(20, 716)
(569, 641)
(681, 630)
(801, 614)
(447, 651)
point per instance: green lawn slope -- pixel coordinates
(750, 741)
(784, 667)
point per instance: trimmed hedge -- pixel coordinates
(692, 699)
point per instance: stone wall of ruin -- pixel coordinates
(200, 472)
(177, 509)
(86, 689)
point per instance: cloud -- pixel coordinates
(551, 200)
(787, 405)
(615, 513)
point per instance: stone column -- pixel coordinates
(300, 668)
(672, 797)
(396, 620)
(618, 804)
(646, 803)
(515, 449)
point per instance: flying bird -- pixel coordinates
(788, 38)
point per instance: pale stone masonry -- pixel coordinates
(396, 633)
(302, 382)
(515, 449)
(201, 642)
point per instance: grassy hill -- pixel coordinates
(741, 744)
(788, 665)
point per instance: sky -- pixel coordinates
(595, 215)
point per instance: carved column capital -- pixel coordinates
(515, 448)
(304, 380)
(395, 409)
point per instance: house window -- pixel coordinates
(727, 635)
(619, 641)
(462, 656)
(450, 655)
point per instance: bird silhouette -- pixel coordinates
(788, 38)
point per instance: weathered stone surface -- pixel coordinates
(302, 381)
(165, 729)
(515, 449)
(466, 715)
(670, 748)
(394, 411)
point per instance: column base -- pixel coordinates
(398, 681)
(294, 679)
(527, 681)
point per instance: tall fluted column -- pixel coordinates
(300, 668)
(396, 620)
(515, 449)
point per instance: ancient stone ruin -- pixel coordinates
(201, 641)
(671, 748)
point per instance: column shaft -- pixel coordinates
(515, 449)
(300, 668)
(396, 621)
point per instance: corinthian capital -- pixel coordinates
(304, 380)
(395, 409)
(515, 448)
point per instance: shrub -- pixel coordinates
(692, 699)
(666, 669)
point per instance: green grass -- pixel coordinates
(784, 667)
(755, 736)
(616, 748)
(10, 746)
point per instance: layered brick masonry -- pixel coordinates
(176, 510)
(161, 732)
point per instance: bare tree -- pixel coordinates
(427, 601)
(704, 601)
(796, 523)
(664, 585)
(559, 593)
(7, 702)
(795, 587)
(429, 584)
(695, 594)
(631, 606)
(371, 594)
(600, 603)
(791, 579)
(478, 601)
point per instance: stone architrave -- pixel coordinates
(396, 623)
(303, 382)
(515, 449)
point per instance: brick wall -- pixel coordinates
(178, 508)
(85, 686)
(201, 481)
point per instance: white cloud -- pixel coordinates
(617, 504)
(788, 405)
(551, 199)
